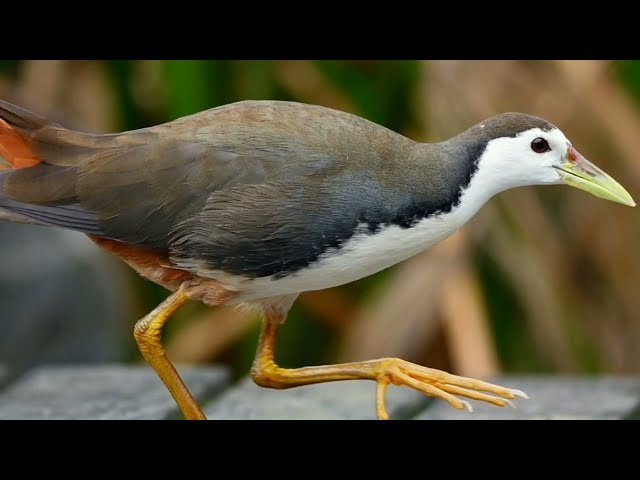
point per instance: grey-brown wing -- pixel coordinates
(131, 191)
(139, 195)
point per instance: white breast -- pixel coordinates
(360, 256)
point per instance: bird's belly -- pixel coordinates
(360, 256)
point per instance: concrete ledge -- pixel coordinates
(554, 398)
(122, 392)
(349, 400)
(104, 392)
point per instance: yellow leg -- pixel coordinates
(147, 333)
(384, 371)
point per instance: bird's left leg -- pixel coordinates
(147, 333)
(431, 382)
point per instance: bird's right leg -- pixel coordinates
(147, 333)
(384, 371)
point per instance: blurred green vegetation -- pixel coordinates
(145, 93)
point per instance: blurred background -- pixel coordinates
(543, 279)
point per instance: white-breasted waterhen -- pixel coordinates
(258, 201)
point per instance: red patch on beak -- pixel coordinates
(572, 155)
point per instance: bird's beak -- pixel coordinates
(579, 172)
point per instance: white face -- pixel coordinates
(528, 158)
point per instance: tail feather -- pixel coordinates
(14, 217)
(27, 139)
(133, 187)
(21, 119)
(19, 138)
(14, 148)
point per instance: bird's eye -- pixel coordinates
(540, 145)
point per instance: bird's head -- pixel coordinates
(521, 149)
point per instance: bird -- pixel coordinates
(255, 202)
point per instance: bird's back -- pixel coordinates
(293, 133)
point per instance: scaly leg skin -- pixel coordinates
(147, 333)
(384, 371)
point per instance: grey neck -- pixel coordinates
(441, 172)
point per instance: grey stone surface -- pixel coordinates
(63, 300)
(553, 398)
(331, 401)
(105, 392)
(116, 392)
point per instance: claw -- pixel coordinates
(467, 406)
(509, 403)
(519, 393)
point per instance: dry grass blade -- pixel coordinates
(307, 85)
(333, 306)
(400, 319)
(464, 316)
(209, 334)
(42, 82)
(536, 286)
